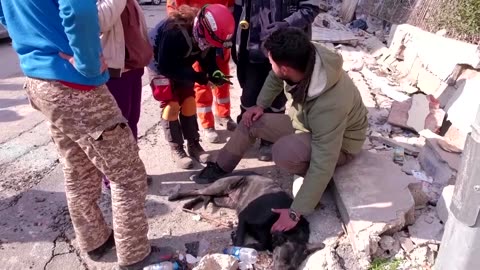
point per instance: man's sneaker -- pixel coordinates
(209, 174)
(157, 255)
(211, 135)
(265, 152)
(97, 254)
(196, 151)
(181, 158)
(226, 122)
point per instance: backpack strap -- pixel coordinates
(189, 42)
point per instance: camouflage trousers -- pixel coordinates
(93, 139)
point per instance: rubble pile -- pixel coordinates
(420, 93)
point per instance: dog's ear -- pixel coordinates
(311, 248)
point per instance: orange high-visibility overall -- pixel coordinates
(204, 94)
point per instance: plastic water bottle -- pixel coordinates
(163, 266)
(246, 255)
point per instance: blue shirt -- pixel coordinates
(41, 29)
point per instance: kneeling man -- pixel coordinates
(326, 125)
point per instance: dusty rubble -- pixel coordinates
(414, 100)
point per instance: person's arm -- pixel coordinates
(305, 15)
(80, 21)
(2, 16)
(209, 62)
(109, 12)
(272, 87)
(327, 125)
(172, 49)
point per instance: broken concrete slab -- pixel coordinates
(439, 164)
(419, 195)
(382, 83)
(321, 34)
(428, 83)
(410, 164)
(371, 204)
(374, 46)
(418, 112)
(409, 115)
(427, 229)
(443, 204)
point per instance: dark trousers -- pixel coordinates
(251, 77)
(127, 91)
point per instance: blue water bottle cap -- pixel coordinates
(176, 266)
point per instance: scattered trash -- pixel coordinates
(246, 255)
(244, 266)
(163, 266)
(197, 217)
(399, 155)
(422, 176)
(191, 259)
(217, 262)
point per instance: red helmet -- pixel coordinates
(215, 24)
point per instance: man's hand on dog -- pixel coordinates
(252, 115)
(284, 222)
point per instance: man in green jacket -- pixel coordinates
(326, 126)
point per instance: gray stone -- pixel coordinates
(437, 163)
(443, 204)
(410, 164)
(217, 262)
(372, 203)
(407, 244)
(423, 232)
(420, 197)
(389, 245)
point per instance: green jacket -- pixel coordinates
(333, 111)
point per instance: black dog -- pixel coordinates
(253, 197)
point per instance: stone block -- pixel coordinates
(437, 163)
(443, 204)
(428, 83)
(427, 229)
(372, 203)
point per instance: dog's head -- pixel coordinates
(289, 255)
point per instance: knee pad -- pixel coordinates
(171, 111)
(189, 107)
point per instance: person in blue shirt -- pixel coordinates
(59, 48)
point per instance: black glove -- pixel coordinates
(219, 79)
(201, 78)
(276, 26)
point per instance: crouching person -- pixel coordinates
(187, 36)
(325, 128)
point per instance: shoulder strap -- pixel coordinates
(189, 41)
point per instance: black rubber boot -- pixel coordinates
(174, 136)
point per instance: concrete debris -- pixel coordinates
(389, 245)
(334, 36)
(352, 58)
(453, 141)
(408, 149)
(371, 204)
(419, 255)
(418, 112)
(428, 83)
(217, 262)
(410, 164)
(419, 194)
(427, 229)
(443, 204)
(422, 176)
(374, 46)
(439, 164)
(407, 244)
(384, 85)
(325, 20)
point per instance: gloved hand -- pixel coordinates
(276, 26)
(219, 79)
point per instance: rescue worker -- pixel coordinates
(204, 94)
(186, 36)
(258, 20)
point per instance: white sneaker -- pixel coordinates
(211, 135)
